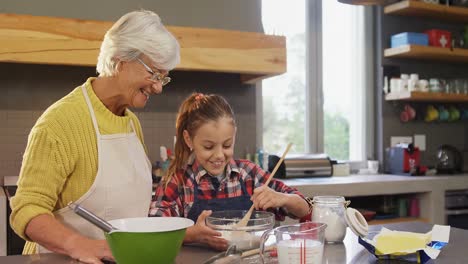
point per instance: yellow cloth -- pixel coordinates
(60, 160)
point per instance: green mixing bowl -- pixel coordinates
(147, 239)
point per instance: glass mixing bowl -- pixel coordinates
(246, 237)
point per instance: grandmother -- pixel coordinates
(88, 147)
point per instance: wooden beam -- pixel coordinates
(53, 40)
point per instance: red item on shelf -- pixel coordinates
(414, 207)
(439, 38)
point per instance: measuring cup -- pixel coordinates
(295, 244)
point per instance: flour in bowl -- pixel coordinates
(243, 240)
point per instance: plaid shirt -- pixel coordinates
(177, 198)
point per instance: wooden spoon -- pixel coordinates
(243, 222)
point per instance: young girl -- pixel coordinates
(204, 177)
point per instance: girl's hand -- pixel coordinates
(88, 250)
(265, 197)
(201, 233)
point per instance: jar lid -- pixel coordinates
(356, 222)
(329, 199)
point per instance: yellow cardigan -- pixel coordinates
(60, 160)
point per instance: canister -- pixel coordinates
(330, 210)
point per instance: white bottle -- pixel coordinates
(265, 161)
(404, 82)
(413, 82)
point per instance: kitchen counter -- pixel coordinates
(348, 252)
(429, 189)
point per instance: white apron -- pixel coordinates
(123, 183)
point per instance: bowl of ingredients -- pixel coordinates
(245, 237)
(147, 239)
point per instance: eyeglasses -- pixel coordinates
(157, 76)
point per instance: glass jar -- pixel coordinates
(330, 210)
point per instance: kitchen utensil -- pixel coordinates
(246, 237)
(243, 222)
(141, 239)
(300, 243)
(92, 218)
(449, 159)
(234, 256)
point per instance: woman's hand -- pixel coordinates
(88, 250)
(54, 236)
(265, 197)
(200, 233)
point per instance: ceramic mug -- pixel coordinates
(464, 114)
(443, 114)
(434, 85)
(454, 114)
(431, 114)
(423, 85)
(408, 113)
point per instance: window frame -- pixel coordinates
(314, 129)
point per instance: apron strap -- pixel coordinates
(91, 110)
(132, 126)
(243, 187)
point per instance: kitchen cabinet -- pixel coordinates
(66, 41)
(429, 190)
(427, 10)
(432, 12)
(428, 53)
(426, 61)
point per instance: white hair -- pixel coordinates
(136, 33)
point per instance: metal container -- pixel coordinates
(318, 165)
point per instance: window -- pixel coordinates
(323, 102)
(284, 96)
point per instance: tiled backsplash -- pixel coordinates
(27, 90)
(158, 130)
(14, 130)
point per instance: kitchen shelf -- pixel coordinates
(397, 220)
(66, 41)
(428, 53)
(421, 9)
(427, 97)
